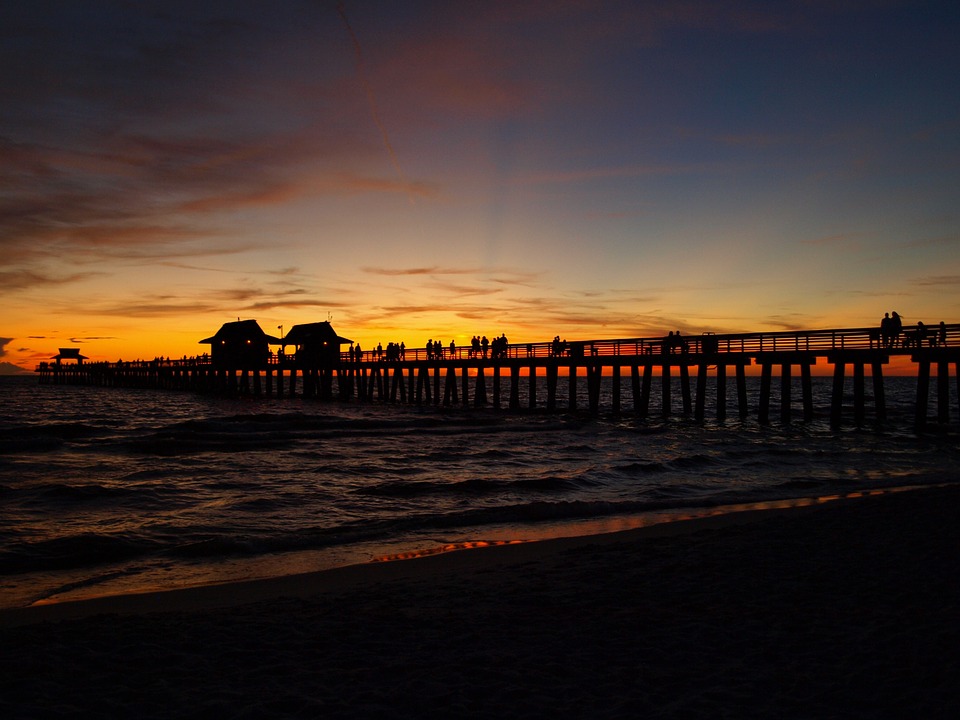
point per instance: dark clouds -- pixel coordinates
(127, 125)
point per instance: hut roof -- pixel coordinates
(241, 330)
(309, 333)
(69, 354)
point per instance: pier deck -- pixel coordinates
(461, 377)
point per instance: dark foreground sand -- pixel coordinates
(846, 610)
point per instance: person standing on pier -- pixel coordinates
(896, 327)
(885, 330)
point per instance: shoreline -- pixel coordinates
(338, 558)
(405, 566)
(840, 609)
(396, 566)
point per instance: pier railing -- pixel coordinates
(820, 342)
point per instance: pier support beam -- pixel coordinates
(665, 390)
(594, 375)
(763, 411)
(532, 379)
(836, 399)
(450, 387)
(700, 405)
(635, 388)
(721, 392)
(685, 389)
(923, 387)
(552, 372)
(615, 390)
(742, 391)
(480, 394)
(572, 377)
(943, 392)
(858, 394)
(806, 383)
(879, 393)
(645, 390)
(786, 385)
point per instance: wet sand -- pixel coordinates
(849, 609)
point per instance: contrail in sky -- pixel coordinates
(372, 101)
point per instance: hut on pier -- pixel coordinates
(317, 344)
(240, 344)
(69, 354)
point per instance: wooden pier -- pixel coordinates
(510, 380)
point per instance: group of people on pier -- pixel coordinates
(435, 349)
(479, 347)
(395, 352)
(891, 330)
(674, 342)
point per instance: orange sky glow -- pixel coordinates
(438, 170)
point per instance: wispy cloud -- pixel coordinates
(604, 173)
(90, 338)
(940, 240)
(792, 321)
(413, 271)
(26, 279)
(845, 239)
(939, 280)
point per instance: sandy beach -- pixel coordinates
(849, 609)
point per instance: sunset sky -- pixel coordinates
(422, 170)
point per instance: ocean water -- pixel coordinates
(108, 491)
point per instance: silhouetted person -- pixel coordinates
(666, 347)
(942, 334)
(484, 346)
(885, 330)
(896, 327)
(680, 343)
(453, 349)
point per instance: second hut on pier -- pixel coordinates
(317, 344)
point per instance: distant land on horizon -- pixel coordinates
(7, 368)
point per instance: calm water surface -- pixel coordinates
(107, 490)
